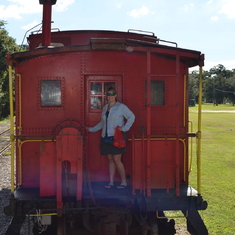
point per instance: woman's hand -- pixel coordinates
(120, 129)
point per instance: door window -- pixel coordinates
(97, 94)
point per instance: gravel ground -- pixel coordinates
(4, 191)
(4, 182)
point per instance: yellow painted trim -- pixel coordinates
(20, 143)
(154, 139)
(199, 132)
(191, 148)
(20, 103)
(12, 137)
(185, 90)
(50, 214)
(182, 140)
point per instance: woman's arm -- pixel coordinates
(130, 117)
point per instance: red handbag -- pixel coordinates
(119, 140)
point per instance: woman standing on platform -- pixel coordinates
(113, 115)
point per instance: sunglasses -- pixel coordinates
(110, 94)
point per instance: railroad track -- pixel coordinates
(4, 141)
(5, 132)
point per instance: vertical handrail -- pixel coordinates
(185, 99)
(12, 137)
(20, 102)
(191, 148)
(199, 132)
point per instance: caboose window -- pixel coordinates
(97, 93)
(96, 102)
(50, 93)
(107, 85)
(157, 93)
(96, 88)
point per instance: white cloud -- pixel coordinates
(214, 18)
(209, 2)
(17, 8)
(228, 8)
(30, 26)
(137, 13)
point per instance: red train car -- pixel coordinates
(60, 86)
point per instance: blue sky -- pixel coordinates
(204, 25)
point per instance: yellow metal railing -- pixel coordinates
(12, 137)
(185, 91)
(20, 143)
(36, 215)
(199, 132)
(20, 102)
(182, 141)
(19, 127)
(191, 148)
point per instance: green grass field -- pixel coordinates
(218, 167)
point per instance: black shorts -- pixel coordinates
(106, 149)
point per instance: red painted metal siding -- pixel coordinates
(157, 147)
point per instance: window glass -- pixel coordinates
(96, 88)
(107, 85)
(96, 102)
(50, 93)
(157, 92)
(97, 94)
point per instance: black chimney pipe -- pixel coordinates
(46, 21)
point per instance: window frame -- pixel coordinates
(51, 107)
(102, 95)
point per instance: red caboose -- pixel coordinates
(60, 86)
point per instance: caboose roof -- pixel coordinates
(80, 40)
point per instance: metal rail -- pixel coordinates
(4, 146)
(12, 137)
(4, 149)
(4, 132)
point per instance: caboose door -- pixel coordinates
(96, 87)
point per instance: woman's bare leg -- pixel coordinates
(120, 168)
(112, 169)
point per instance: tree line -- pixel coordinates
(218, 82)
(7, 45)
(218, 85)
